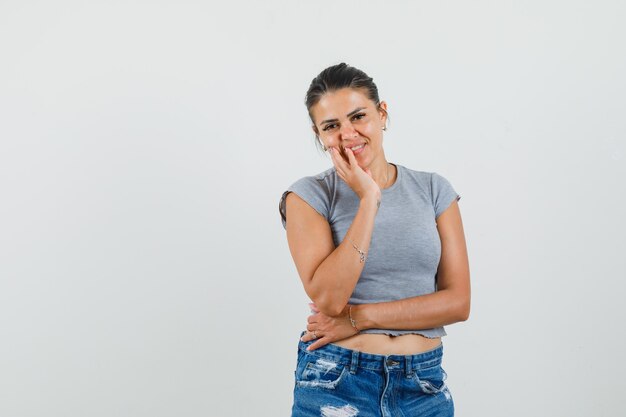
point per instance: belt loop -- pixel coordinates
(408, 369)
(354, 362)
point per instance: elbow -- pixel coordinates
(331, 309)
(464, 316)
(463, 310)
(330, 306)
(328, 301)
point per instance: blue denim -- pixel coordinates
(333, 381)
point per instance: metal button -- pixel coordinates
(392, 362)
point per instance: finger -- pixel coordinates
(351, 157)
(342, 153)
(317, 344)
(312, 325)
(333, 158)
(314, 308)
(312, 334)
(338, 160)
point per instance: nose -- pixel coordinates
(348, 132)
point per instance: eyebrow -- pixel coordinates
(348, 115)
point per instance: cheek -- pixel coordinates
(372, 137)
(370, 132)
(332, 140)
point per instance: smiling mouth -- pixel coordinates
(356, 150)
(356, 147)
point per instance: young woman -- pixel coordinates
(381, 252)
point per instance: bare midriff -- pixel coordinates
(382, 344)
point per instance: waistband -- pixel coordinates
(357, 359)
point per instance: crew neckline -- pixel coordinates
(398, 178)
(399, 169)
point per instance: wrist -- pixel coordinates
(371, 201)
(358, 313)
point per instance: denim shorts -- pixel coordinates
(333, 381)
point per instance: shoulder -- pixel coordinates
(422, 176)
(328, 176)
(436, 186)
(316, 190)
(323, 185)
(429, 179)
(418, 178)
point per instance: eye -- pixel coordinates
(357, 116)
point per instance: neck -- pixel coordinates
(382, 172)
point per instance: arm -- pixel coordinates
(330, 274)
(449, 304)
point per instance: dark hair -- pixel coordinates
(335, 78)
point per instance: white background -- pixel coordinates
(144, 146)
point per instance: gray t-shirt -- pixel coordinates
(405, 249)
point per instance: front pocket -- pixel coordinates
(320, 373)
(431, 380)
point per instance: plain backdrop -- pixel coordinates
(144, 146)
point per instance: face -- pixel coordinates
(346, 118)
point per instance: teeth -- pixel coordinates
(357, 147)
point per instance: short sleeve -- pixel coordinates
(443, 194)
(311, 190)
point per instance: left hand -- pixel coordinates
(328, 329)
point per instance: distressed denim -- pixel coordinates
(333, 381)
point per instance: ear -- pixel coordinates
(317, 136)
(383, 112)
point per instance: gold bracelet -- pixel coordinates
(361, 253)
(352, 321)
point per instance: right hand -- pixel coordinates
(359, 180)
